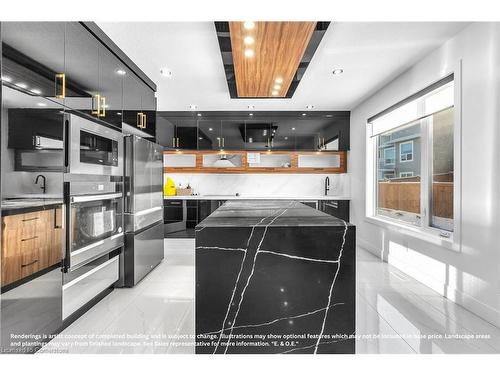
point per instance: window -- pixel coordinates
(416, 187)
(405, 174)
(389, 155)
(400, 200)
(441, 128)
(406, 151)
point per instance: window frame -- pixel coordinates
(425, 232)
(401, 152)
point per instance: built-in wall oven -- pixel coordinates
(94, 237)
(95, 221)
(93, 193)
(92, 148)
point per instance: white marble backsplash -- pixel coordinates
(280, 185)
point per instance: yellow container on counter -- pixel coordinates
(169, 187)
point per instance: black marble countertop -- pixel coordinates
(20, 206)
(248, 213)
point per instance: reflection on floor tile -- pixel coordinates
(394, 314)
(156, 316)
(425, 321)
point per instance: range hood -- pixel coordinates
(223, 162)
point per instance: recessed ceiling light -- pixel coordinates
(278, 80)
(304, 114)
(199, 114)
(249, 25)
(41, 104)
(274, 92)
(277, 87)
(328, 115)
(250, 114)
(200, 138)
(286, 138)
(248, 40)
(293, 128)
(6, 79)
(121, 72)
(310, 106)
(336, 72)
(210, 129)
(251, 107)
(249, 52)
(36, 91)
(165, 72)
(118, 113)
(21, 85)
(192, 106)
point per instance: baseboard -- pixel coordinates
(465, 300)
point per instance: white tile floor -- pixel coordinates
(394, 314)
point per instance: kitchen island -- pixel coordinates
(274, 277)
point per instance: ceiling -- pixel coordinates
(370, 53)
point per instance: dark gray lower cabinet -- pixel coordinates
(196, 211)
(338, 209)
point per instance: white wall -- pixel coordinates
(282, 185)
(469, 277)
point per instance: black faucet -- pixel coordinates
(327, 185)
(44, 186)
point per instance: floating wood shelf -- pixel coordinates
(245, 168)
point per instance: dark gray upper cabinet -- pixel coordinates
(186, 134)
(209, 134)
(33, 58)
(82, 66)
(69, 65)
(263, 131)
(232, 135)
(139, 104)
(110, 89)
(257, 134)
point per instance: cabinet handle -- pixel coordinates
(29, 264)
(102, 111)
(218, 139)
(96, 104)
(332, 205)
(33, 218)
(173, 142)
(177, 142)
(222, 141)
(145, 121)
(56, 226)
(60, 81)
(141, 121)
(28, 239)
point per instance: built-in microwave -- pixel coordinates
(92, 148)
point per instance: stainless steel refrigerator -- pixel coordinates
(143, 208)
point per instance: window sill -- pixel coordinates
(429, 236)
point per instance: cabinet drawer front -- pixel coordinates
(81, 290)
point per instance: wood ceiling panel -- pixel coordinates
(278, 49)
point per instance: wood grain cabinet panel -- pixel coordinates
(31, 242)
